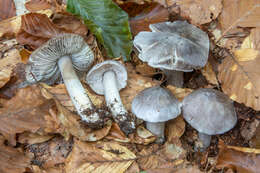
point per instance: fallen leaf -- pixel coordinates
(102, 157)
(36, 29)
(108, 23)
(11, 26)
(179, 93)
(150, 13)
(255, 142)
(51, 153)
(33, 138)
(193, 169)
(209, 74)
(37, 5)
(239, 75)
(70, 23)
(25, 54)
(7, 64)
(73, 126)
(57, 169)
(239, 13)
(175, 128)
(239, 160)
(13, 160)
(7, 9)
(248, 130)
(198, 11)
(27, 113)
(134, 168)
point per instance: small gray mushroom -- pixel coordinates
(108, 78)
(155, 106)
(174, 47)
(210, 112)
(60, 58)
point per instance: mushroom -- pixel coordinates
(155, 106)
(108, 78)
(210, 112)
(60, 58)
(174, 47)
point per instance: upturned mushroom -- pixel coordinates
(60, 58)
(174, 47)
(155, 106)
(210, 112)
(108, 78)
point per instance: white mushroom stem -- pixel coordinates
(75, 89)
(205, 139)
(112, 96)
(157, 129)
(174, 77)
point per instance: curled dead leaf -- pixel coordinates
(37, 5)
(238, 159)
(103, 157)
(209, 74)
(11, 26)
(7, 9)
(33, 138)
(239, 75)
(28, 109)
(175, 128)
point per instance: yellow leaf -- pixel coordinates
(246, 54)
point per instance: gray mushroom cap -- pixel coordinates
(156, 104)
(94, 77)
(43, 61)
(173, 46)
(209, 111)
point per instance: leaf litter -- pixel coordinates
(49, 137)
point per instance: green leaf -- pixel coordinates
(107, 22)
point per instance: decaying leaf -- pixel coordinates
(33, 138)
(239, 160)
(239, 13)
(102, 157)
(7, 9)
(9, 61)
(175, 128)
(179, 93)
(27, 112)
(36, 29)
(240, 74)
(37, 5)
(51, 153)
(134, 168)
(12, 160)
(198, 11)
(209, 74)
(151, 13)
(73, 126)
(11, 26)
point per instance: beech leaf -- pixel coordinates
(108, 22)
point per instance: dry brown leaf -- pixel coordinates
(7, 64)
(209, 74)
(102, 157)
(189, 169)
(175, 128)
(73, 126)
(33, 138)
(50, 153)
(150, 13)
(25, 54)
(193, 169)
(134, 168)
(57, 169)
(13, 160)
(241, 161)
(37, 5)
(27, 112)
(198, 11)
(70, 23)
(7, 9)
(179, 93)
(239, 13)
(36, 29)
(240, 74)
(11, 26)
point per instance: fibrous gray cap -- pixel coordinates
(156, 104)
(42, 65)
(209, 111)
(173, 46)
(94, 77)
